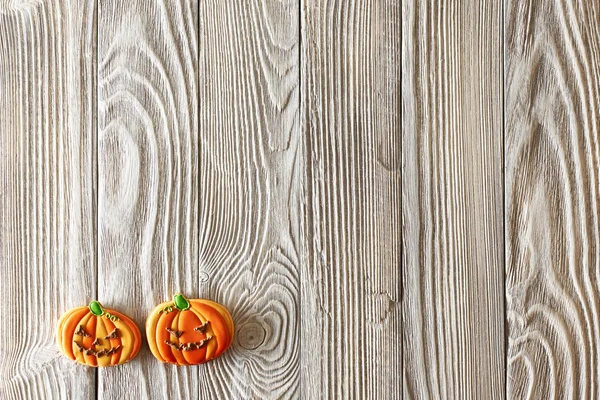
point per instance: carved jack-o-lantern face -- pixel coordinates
(189, 332)
(98, 337)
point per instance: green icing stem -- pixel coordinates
(181, 302)
(96, 308)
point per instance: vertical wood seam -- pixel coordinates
(401, 212)
(198, 164)
(503, 110)
(303, 163)
(96, 177)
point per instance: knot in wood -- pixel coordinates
(251, 335)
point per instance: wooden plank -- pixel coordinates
(453, 259)
(351, 275)
(552, 91)
(148, 176)
(48, 191)
(250, 170)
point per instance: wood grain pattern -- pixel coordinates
(453, 267)
(552, 91)
(48, 190)
(351, 314)
(250, 169)
(331, 171)
(148, 176)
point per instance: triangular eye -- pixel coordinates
(82, 332)
(175, 333)
(113, 335)
(202, 328)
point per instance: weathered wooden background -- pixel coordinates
(394, 198)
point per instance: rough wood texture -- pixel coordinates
(453, 260)
(301, 161)
(250, 169)
(351, 314)
(47, 190)
(148, 176)
(552, 92)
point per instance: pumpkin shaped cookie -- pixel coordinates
(98, 337)
(189, 332)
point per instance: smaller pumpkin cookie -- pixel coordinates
(98, 337)
(189, 332)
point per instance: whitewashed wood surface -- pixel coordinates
(396, 199)
(552, 92)
(452, 208)
(48, 191)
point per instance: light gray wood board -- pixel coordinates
(552, 162)
(148, 176)
(250, 169)
(48, 191)
(453, 258)
(351, 269)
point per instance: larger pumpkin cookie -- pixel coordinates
(189, 332)
(98, 337)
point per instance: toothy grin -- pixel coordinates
(97, 353)
(189, 346)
